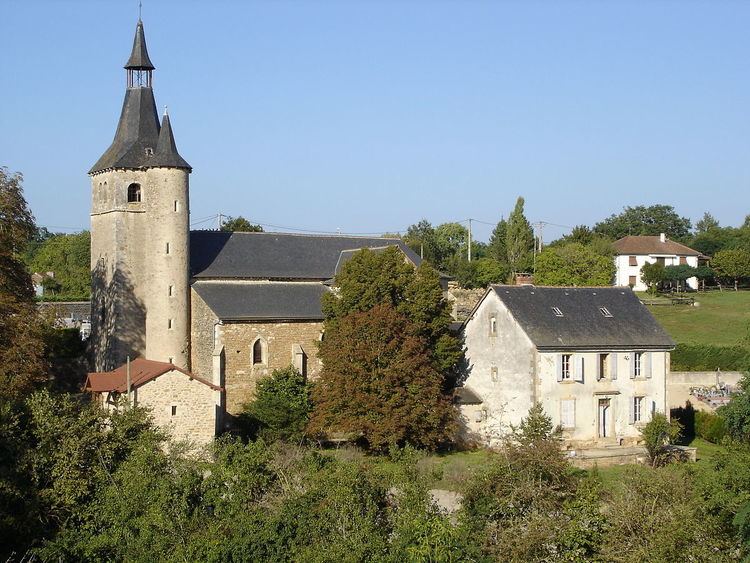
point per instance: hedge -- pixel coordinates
(706, 357)
(710, 426)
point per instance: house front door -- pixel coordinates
(605, 418)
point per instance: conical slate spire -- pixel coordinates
(166, 150)
(139, 57)
(139, 140)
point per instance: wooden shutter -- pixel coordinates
(631, 410)
(578, 367)
(558, 366)
(599, 366)
(646, 364)
(632, 365)
(613, 366)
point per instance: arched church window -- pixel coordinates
(134, 193)
(259, 352)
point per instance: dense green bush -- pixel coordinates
(707, 357)
(710, 426)
(281, 407)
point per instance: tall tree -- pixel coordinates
(706, 223)
(519, 239)
(498, 248)
(421, 239)
(642, 220)
(22, 361)
(240, 225)
(380, 383)
(372, 278)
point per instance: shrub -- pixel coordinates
(707, 357)
(281, 407)
(657, 434)
(710, 426)
(737, 412)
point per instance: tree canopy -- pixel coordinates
(519, 240)
(241, 225)
(645, 220)
(573, 264)
(387, 344)
(69, 257)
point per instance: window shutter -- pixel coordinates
(579, 368)
(646, 361)
(632, 365)
(599, 366)
(558, 366)
(631, 411)
(613, 366)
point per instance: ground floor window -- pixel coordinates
(637, 410)
(568, 413)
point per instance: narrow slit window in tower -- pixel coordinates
(176, 206)
(134, 193)
(171, 290)
(167, 248)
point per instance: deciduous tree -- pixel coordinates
(241, 225)
(642, 220)
(379, 383)
(573, 264)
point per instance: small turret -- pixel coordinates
(166, 150)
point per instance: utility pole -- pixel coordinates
(127, 378)
(469, 249)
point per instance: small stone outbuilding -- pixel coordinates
(187, 406)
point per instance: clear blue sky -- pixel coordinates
(368, 116)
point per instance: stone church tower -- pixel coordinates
(140, 233)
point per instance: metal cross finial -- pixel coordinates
(165, 110)
(140, 5)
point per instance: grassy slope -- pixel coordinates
(722, 319)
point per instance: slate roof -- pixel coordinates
(583, 325)
(138, 128)
(232, 300)
(141, 371)
(652, 245)
(139, 59)
(218, 254)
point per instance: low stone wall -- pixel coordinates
(680, 382)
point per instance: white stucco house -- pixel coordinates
(595, 358)
(632, 252)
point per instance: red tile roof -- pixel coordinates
(652, 245)
(141, 371)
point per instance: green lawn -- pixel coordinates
(720, 318)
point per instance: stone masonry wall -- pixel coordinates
(240, 375)
(195, 402)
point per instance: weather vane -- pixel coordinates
(139, 9)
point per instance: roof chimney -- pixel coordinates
(662, 237)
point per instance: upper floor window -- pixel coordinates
(637, 363)
(632, 261)
(134, 193)
(565, 365)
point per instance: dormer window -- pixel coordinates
(134, 193)
(604, 311)
(149, 151)
(557, 311)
